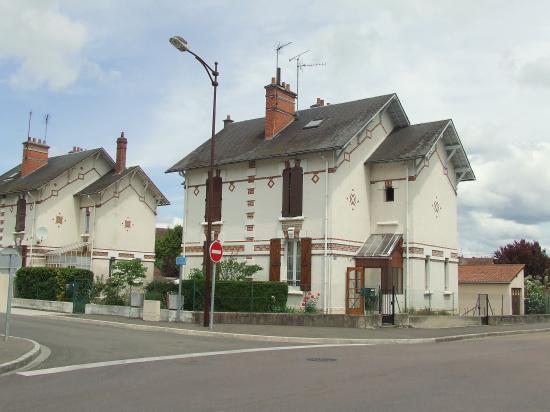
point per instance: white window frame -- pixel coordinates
(292, 250)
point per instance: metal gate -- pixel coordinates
(483, 306)
(387, 305)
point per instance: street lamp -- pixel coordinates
(180, 44)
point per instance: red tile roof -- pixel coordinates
(495, 273)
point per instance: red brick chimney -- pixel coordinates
(280, 109)
(121, 145)
(35, 155)
(320, 103)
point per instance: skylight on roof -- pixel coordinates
(313, 123)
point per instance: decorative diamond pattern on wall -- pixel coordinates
(231, 186)
(352, 199)
(437, 207)
(196, 191)
(315, 178)
(271, 182)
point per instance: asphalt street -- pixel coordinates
(75, 343)
(495, 374)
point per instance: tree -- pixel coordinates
(535, 259)
(167, 248)
(128, 272)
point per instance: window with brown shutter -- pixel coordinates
(21, 215)
(296, 183)
(286, 193)
(292, 191)
(217, 203)
(305, 264)
(275, 260)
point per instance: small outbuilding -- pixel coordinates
(502, 283)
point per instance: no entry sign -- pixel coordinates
(216, 251)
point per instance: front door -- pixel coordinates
(516, 301)
(355, 299)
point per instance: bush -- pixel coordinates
(534, 291)
(231, 296)
(52, 283)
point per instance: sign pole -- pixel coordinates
(214, 266)
(10, 297)
(178, 315)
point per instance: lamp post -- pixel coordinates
(180, 44)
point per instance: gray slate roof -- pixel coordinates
(243, 141)
(111, 178)
(407, 143)
(12, 182)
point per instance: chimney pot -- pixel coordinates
(121, 145)
(280, 107)
(227, 121)
(35, 155)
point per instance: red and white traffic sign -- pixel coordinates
(216, 251)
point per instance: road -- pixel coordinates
(497, 374)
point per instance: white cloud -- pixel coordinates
(44, 44)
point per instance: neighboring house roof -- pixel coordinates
(495, 273)
(111, 178)
(379, 245)
(12, 182)
(418, 141)
(244, 141)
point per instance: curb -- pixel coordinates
(23, 360)
(296, 339)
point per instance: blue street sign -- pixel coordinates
(181, 260)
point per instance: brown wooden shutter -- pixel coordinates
(305, 264)
(20, 215)
(296, 183)
(286, 193)
(275, 260)
(217, 204)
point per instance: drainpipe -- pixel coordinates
(33, 225)
(325, 263)
(92, 235)
(407, 278)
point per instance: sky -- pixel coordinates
(101, 67)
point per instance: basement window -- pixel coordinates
(313, 123)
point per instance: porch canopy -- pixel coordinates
(384, 251)
(380, 246)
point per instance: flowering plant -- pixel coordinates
(309, 302)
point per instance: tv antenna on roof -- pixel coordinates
(278, 49)
(46, 121)
(29, 128)
(299, 67)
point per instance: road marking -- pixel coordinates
(71, 368)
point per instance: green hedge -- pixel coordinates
(231, 296)
(52, 283)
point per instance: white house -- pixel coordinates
(334, 199)
(81, 209)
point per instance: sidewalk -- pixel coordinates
(16, 353)
(302, 333)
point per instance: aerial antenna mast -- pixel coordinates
(278, 49)
(29, 128)
(299, 67)
(46, 121)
